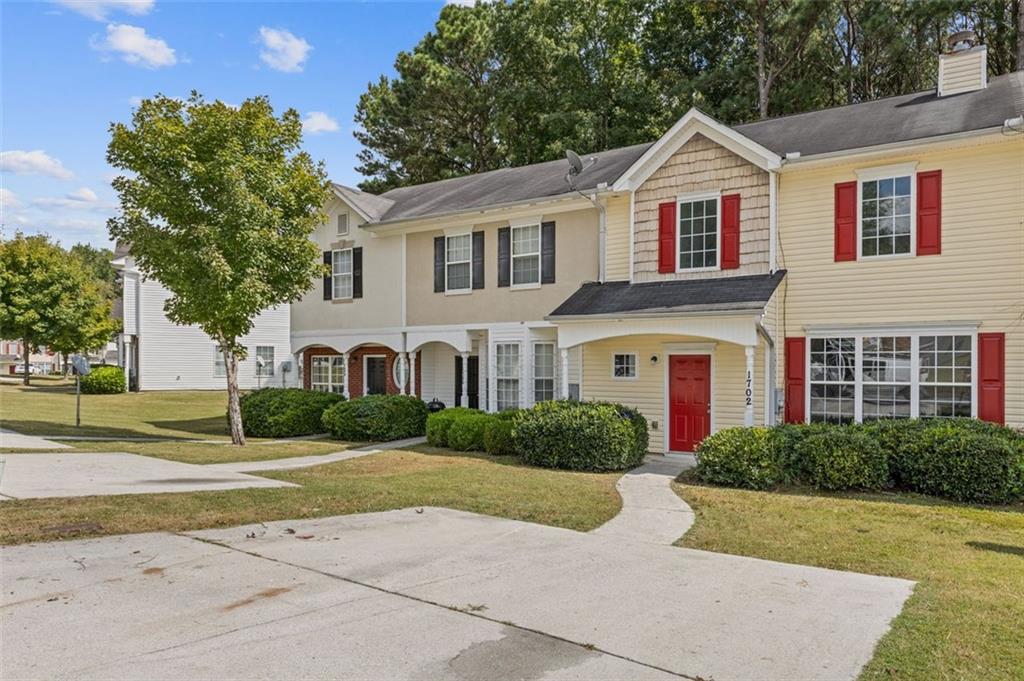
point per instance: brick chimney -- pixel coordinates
(964, 66)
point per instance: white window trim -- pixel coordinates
(554, 370)
(512, 256)
(219, 360)
(458, 291)
(348, 223)
(518, 377)
(701, 196)
(366, 375)
(882, 173)
(331, 359)
(270, 367)
(636, 365)
(351, 274)
(669, 349)
(915, 374)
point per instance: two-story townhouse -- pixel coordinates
(845, 264)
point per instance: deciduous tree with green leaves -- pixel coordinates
(82, 319)
(218, 204)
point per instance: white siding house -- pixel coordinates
(158, 354)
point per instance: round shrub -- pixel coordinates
(844, 458)
(575, 436)
(741, 457)
(440, 422)
(285, 412)
(103, 380)
(467, 432)
(973, 466)
(377, 418)
(498, 437)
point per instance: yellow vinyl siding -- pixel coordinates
(647, 391)
(979, 277)
(617, 238)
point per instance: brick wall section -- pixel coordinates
(701, 165)
(355, 367)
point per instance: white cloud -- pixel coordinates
(84, 194)
(36, 162)
(99, 9)
(9, 199)
(135, 47)
(317, 121)
(283, 51)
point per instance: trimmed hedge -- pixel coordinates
(498, 437)
(467, 432)
(440, 422)
(959, 459)
(573, 435)
(377, 418)
(285, 412)
(103, 380)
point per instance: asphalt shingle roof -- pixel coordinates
(720, 293)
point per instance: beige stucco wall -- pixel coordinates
(381, 304)
(979, 277)
(576, 252)
(700, 166)
(647, 391)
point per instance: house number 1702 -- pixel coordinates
(749, 393)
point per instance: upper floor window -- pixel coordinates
(698, 233)
(343, 224)
(885, 216)
(341, 274)
(458, 262)
(266, 354)
(526, 255)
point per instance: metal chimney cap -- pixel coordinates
(962, 40)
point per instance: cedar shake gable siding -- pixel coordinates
(700, 166)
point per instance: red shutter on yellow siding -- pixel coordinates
(929, 212)
(667, 237)
(846, 221)
(796, 383)
(992, 377)
(730, 232)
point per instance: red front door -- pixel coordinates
(689, 401)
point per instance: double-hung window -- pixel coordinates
(624, 365)
(343, 224)
(698, 233)
(543, 372)
(526, 255)
(327, 374)
(506, 357)
(886, 211)
(458, 262)
(341, 274)
(219, 367)
(908, 375)
(265, 353)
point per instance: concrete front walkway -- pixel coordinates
(651, 511)
(427, 593)
(11, 440)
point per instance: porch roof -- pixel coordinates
(719, 294)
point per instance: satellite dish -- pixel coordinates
(575, 162)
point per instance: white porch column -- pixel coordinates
(402, 388)
(412, 373)
(564, 368)
(748, 387)
(129, 370)
(344, 384)
(465, 379)
(297, 370)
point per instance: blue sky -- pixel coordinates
(67, 69)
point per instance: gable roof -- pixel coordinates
(903, 118)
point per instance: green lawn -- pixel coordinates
(965, 619)
(498, 486)
(203, 452)
(48, 408)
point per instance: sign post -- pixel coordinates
(81, 365)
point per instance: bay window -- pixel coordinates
(833, 380)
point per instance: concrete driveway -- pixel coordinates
(427, 594)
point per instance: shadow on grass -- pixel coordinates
(210, 425)
(68, 430)
(689, 477)
(997, 548)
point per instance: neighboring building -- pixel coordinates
(12, 359)
(160, 355)
(839, 265)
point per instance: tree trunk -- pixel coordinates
(26, 351)
(763, 83)
(234, 409)
(1020, 35)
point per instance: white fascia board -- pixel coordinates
(341, 197)
(694, 122)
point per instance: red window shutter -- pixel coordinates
(992, 377)
(730, 232)
(667, 237)
(796, 384)
(929, 213)
(846, 221)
